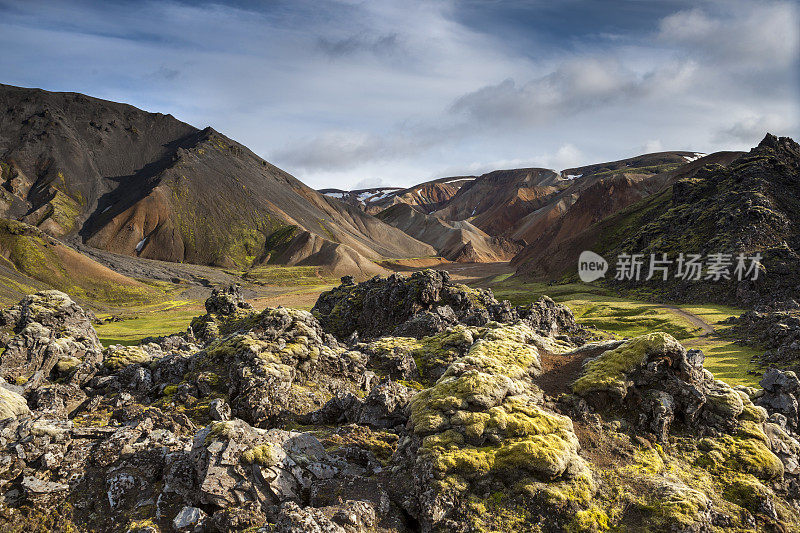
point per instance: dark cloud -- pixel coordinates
(336, 48)
(164, 73)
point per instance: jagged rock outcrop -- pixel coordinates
(662, 383)
(781, 392)
(424, 303)
(271, 422)
(48, 332)
(226, 301)
(777, 331)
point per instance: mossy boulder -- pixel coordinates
(608, 373)
(423, 304)
(483, 422)
(740, 454)
(675, 506)
(12, 404)
(118, 356)
(48, 327)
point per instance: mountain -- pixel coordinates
(521, 203)
(31, 259)
(740, 203)
(454, 240)
(597, 196)
(145, 184)
(426, 197)
(494, 201)
(361, 198)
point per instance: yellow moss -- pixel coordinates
(118, 357)
(648, 461)
(67, 364)
(264, 455)
(747, 492)
(753, 413)
(744, 455)
(578, 490)
(432, 352)
(220, 431)
(592, 520)
(608, 372)
(677, 504)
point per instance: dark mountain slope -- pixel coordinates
(147, 184)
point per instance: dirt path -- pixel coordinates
(473, 272)
(559, 371)
(695, 320)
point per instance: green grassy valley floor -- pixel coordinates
(696, 326)
(270, 286)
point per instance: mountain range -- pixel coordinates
(101, 175)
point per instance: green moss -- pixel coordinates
(744, 455)
(592, 520)
(138, 526)
(66, 365)
(497, 513)
(608, 372)
(677, 504)
(725, 401)
(747, 492)
(220, 431)
(381, 443)
(99, 418)
(35, 255)
(64, 211)
(264, 455)
(540, 443)
(118, 357)
(577, 490)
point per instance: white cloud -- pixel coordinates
(342, 91)
(755, 34)
(652, 146)
(750, 128)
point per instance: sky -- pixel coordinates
(353, 94)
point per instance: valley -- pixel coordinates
(193, 340)
(613, 315)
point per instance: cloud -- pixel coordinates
(577, 85)
(341, 91)
(751, 128)
(565, 156)
(380, 46)
(164, 73)
(332, 150)
(652, 146)
(372, 183)
(759, 35)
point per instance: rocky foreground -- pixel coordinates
(399, 404)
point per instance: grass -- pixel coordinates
(729, 362)
(298, 276)
(296, 287)
(173, 317)
(598, 307)
(618, 317)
